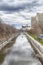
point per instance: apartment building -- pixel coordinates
(40, 19)
(33, 21)
(37, 20)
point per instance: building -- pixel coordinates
(37, 21)
(33, 21)
(40, 19)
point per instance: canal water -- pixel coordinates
(21, 53)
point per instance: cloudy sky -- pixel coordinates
(12, 11)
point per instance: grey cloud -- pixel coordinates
(11, 0)
(1, 0)
(26, 18)
(5, 7)
(29, 6)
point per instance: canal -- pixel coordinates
(21, 53)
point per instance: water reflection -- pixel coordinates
(21, 53)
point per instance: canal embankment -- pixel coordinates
(37, 47)
(5, 42)
(36, 37)
(5, 48)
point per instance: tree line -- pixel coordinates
(6, 29)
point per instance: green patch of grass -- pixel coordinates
(36, 38)
(2, 56)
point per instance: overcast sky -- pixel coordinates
(19, 10)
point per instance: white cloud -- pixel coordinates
(23, 15)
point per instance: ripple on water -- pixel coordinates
(21, 53)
